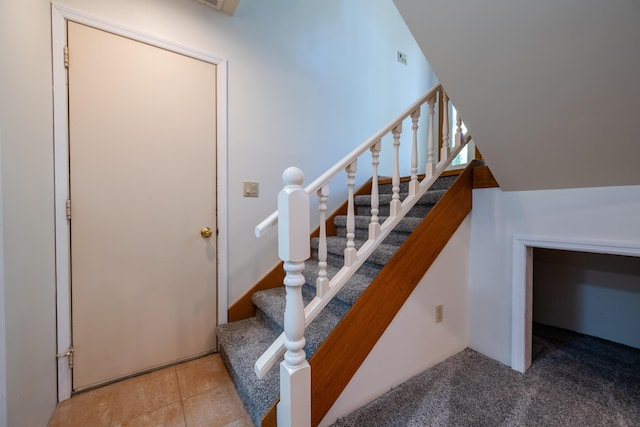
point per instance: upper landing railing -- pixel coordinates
(293, 219)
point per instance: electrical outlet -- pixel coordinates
(250, 189)
(402, 58)
(439, 314)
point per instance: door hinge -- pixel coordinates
(69, 355)
(66, 56)
(68, 208)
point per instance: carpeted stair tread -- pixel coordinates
(441, 183)
(310, 272)
(350, 292)
(397, 237)
(406, 224)
(431, 197)
(271, 304)
(354, 287)
(241, 343)
(336, 245)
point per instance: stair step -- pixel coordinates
(441, 183)
(337, 244)
(310, 272)
(421, 208)
(270, 307)
(400, 233)
(241, 343)
(349, 293)
(406, 225)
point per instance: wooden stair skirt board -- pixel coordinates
(340, 356)
(483, 178)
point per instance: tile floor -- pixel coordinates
(196, 393)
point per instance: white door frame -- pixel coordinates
(59, 15)
(522, 284)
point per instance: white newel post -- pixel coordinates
(294, 409)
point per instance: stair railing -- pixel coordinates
(292, 218)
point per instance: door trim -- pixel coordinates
(59, 15)
(522, 284)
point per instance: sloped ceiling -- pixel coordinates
(550, 89)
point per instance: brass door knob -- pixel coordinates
(206, 232)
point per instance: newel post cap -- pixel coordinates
(293, 218)
(292, 177)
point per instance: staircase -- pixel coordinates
(241, 343)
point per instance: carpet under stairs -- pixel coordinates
(241, 343)
(575, 380)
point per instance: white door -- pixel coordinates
(142, 184)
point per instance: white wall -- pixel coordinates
(603, 214)
(413, 342)
(540, 82)
(591, 293)
(27, 188)
(307, 82)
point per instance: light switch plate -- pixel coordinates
(439, 313)
(250, 189)
(402, 58)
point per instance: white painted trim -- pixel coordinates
(3, 332)
(59, 15)
(223, 225)
(522, 284)
(61, 186)
(522, 308)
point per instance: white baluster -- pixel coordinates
(431, 164)
(322, 282)
(294, 408)
(444, 153)
(395, 179)
(413, 184)
(458, 139)
(374, 225)
(350, 252)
